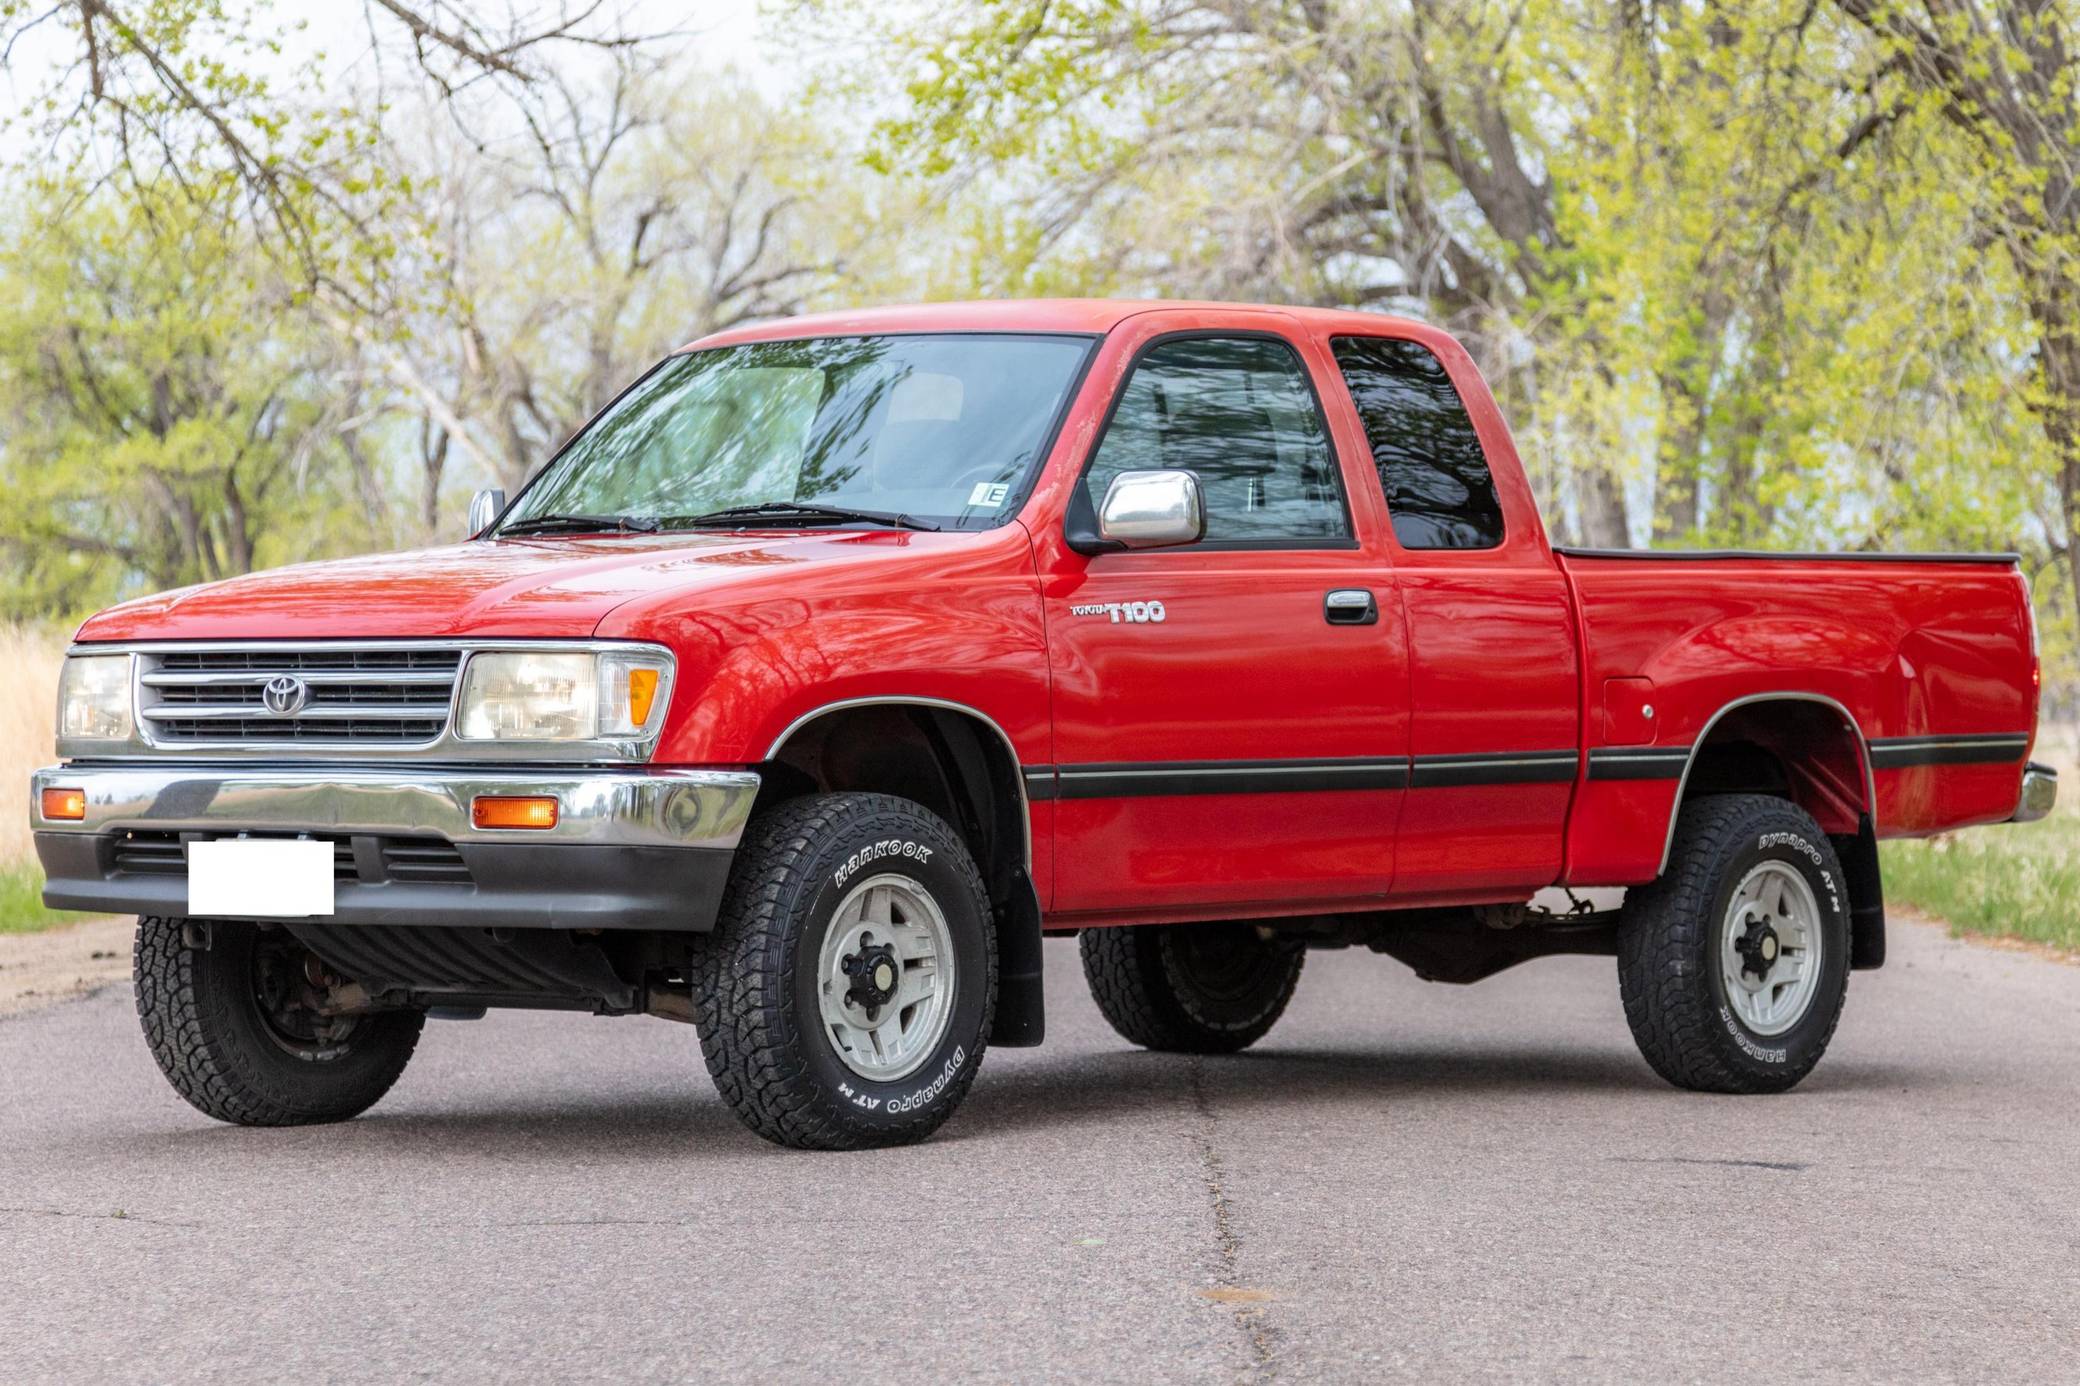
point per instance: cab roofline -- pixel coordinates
(1080, 316)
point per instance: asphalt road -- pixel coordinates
(1403, 1182)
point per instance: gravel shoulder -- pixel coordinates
(42, 969)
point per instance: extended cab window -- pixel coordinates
(1239, 412)
(1438, 488)
(942, 428)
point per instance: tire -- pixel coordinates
(762, 986)
(1190, 988)
(1680, 936)
(234, 1057)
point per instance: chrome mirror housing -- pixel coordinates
(1153, 510)
(484, 507)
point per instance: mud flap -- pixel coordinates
(1859, 856)
(1021, 1010)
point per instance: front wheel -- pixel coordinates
(1734, 965)
(846, 995)
(233, 1026)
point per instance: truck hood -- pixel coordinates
(558, 588)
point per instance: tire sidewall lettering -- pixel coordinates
(900, 848)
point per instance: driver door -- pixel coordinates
(1225, 734)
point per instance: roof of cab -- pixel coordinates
(1087, 315)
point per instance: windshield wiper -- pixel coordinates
(799, 510)
(580, 524)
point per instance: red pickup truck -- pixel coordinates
(839, 660)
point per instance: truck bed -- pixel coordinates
(1928, 658)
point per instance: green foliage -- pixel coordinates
(21, 902)
(2021, 882)
(1777, 273)
(1740, 274)
(163, 398)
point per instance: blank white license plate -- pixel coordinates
(277, 878)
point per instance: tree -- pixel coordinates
(2002, 73)
(152, 89)
(1717, 258)
(634, 211)
(1397, 155)
(163, 415)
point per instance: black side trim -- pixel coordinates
(1638, 762)
(1714, 555)
(1147, 779)
(1138, 780)
(1900, 752)
(1500, 767)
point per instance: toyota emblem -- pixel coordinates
(285, 695)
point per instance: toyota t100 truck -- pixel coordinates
(840, 660)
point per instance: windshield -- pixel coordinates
(940, 429)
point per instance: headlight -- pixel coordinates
(557, 696)
(94, 699)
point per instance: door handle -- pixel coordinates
(1350, 606)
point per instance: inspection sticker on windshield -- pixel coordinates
(989, 493)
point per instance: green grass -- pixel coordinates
(2016, 880)
(21, 902)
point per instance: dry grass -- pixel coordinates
(28, 709)
(2010, 881)
(28, 705)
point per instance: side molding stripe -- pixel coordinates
(1147, 779)
(1901, 752)
(1638, 762)
(1509, 767)
(1138, 780)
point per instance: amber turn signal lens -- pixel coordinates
(69, 805)
(491, 811)
(642, 691)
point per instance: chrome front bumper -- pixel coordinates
(647, 808)
(2039, 792)
(636, 848)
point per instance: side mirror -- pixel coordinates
(484, 507)
(1153, 510)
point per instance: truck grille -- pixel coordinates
(371, 696)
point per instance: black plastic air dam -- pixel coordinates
(514, 885)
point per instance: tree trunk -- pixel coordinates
(1604, 518)
(1675, 485)
(433, 463)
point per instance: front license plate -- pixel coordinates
(244, 878)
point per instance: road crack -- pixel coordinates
(117, 1216)
(1247, 1307)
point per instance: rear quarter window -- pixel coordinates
(1432, 471)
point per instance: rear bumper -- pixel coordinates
(631, 849)
(2039, 792)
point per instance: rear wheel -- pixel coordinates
(1191, 988)
(233, 1026)
(1734, 965)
